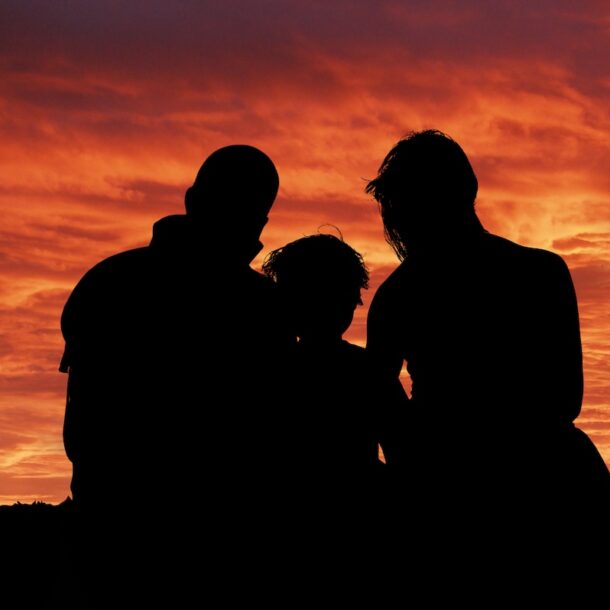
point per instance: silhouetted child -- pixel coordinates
(345, 411)
(339, 413)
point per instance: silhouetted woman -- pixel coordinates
(490, 333)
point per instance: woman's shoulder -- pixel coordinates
(502, 247)
(392, 291)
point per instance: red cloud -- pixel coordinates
(102, 134)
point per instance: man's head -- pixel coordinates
(425, 187)
(320, 277)
(233, 192)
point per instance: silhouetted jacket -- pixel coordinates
(490, 333)
(167, 349)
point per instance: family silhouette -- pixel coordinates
(192, 376)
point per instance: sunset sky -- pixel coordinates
(107, 109)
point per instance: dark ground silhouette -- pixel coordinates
(36, 561)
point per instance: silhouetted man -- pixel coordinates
(489, 330)
(174, 353)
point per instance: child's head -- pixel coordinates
(320, 277)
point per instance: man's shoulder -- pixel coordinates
(259, 285)
(103, 279)
(260, 279)
(120, 262)
(115, 267)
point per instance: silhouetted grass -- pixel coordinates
(36, 542)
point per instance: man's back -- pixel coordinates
(166, 360)
(175, 355)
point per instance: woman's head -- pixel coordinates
(425, 186)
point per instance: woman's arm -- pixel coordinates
(382, 332)
(385, 356)
(560, 371)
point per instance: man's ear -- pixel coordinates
(263, 223)
(189, 197)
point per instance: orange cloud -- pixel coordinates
(105, 116)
